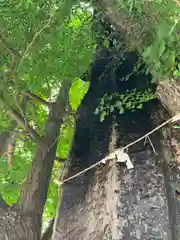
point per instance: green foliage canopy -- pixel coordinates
(44, 43)
(152, 28)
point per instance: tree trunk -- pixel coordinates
(170, 158)
(168, 94)
(23, 221)
(113, 202)
(110, 201)
(15, 225)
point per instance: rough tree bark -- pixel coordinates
(23, 220)
(111, 202)
(168, 94)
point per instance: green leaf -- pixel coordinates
(118, 104)
(162, 30)
(111, 108)
(102, 101)
(161, 47)
(103, 114)
(121, 96)
(140, 106)
(128, 105)
(110, 98)
(147, 71)
(77, 92)
(153, 80)
(106, 43)
(96, 111)
(121, 110)
(131, 5)
(171, 59)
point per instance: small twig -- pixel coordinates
(22, 107)
(151, 144)
(22, 123)
(173, 27)
(38, 99)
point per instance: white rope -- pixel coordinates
(118, 152)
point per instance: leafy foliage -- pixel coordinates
(57, 52)
(131, 100)
(43, 44)
(177, 72)
(153, 29)
(12, 179)
(77, 92)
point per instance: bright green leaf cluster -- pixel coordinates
(77, 92)
(131, 100)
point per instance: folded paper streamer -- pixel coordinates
(121, 157)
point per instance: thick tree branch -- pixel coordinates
(38, 99)
(3, 204)
(14, 115)
(8, 138)
(33, 196)
(123, 23)
(114, 17)
(49, 231)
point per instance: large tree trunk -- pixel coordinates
(109, 201)
(170, 158)
(112, 202)
(23, 220)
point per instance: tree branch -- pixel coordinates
(38, 99)
(34, 193)
(8, 138)
(11, 51)
(49, 231)
(23, 124)
(3, 204)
